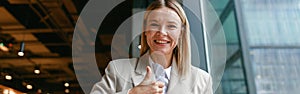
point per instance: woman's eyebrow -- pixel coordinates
(153, 20)
(173, 22)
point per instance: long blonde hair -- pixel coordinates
(182, 51)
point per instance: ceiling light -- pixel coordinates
(5, 91)
(29, 86)
(10, 45)
(22, 46)
(8, 91)
(21, 53)
(37, 70)
(67, 91)
(140, 46)
(67, 84)
(3, 47)
(8, 77)
(39, 91)
(11, 92)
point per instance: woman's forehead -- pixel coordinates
(163, 14)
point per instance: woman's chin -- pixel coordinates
(161, 51)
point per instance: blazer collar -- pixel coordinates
(140, 70)
(174, 80)
(142, 63)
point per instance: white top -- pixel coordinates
(167, 70)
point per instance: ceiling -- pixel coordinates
(46, 27)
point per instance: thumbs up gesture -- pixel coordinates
(147, 86)
(147, 80)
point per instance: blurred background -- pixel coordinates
(263, 47)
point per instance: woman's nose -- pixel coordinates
(162, 31)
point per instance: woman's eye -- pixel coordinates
(172, 26)
(153, 24)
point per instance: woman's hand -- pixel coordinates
(147, 86)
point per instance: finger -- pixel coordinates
(160, 90)
(156, 89)
(147, 80)
(160, 84)
(149, 72)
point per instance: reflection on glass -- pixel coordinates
(273, 35)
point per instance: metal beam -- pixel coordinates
(233, 58)
(22, 31)
(229, 7)
(40, 43)
(250, 75)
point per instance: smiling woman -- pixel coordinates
(165, 62)
(162, 31)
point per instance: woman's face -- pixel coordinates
(162, 30)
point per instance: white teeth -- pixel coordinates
(159, 41)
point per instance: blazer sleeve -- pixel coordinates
(203, 82)
(108, 83)
(208, 89)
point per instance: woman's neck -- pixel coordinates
(163, 59)
(169, 60)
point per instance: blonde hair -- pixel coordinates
(182, 51)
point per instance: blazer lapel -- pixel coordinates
(174, 77)
(140, 70)
(175, 80)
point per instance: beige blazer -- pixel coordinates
(123, 74)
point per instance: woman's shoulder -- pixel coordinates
(199, 72)
(202, 81)
(122, 63)
(121, 67)
(200, 77)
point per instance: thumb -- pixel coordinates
(147, 80)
